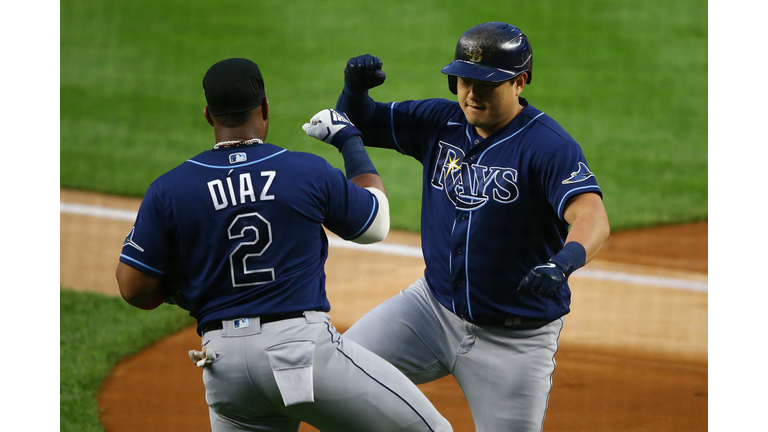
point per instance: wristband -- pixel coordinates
(356, 159)
(571, 257)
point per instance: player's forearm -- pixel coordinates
(138, 289)
(368, 180)
(357, 105)
(372, 118)
(590, 229)
(356, 160)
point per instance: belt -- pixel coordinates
(263, 319)
(518, 322)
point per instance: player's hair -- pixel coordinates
(232, 120)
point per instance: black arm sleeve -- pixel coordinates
(365, 113)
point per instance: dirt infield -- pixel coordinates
(633, 353)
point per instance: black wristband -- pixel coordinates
(356, 159)
(571, 257)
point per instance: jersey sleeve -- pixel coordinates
(566, 174)
(349, 209)
(406, 126)
(413, 124)
(146, 246)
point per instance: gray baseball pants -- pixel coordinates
(505, 373)
(273, 376)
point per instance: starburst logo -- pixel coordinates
(453, 165)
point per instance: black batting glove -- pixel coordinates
(544, 280)
(363, 73)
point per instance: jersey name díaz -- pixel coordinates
(223, 193)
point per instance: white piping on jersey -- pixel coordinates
(240, 165)
(469, 223)
(562, 201)
(450, 123)
(366, 225)
(450, 254)
(392, 126)
(501, 141)
(466, 265)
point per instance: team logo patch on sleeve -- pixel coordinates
(129, 240)
(579, 176)
(237, 157)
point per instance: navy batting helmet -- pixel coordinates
(492, 52)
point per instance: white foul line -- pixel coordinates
(99, 212)
(415, 252)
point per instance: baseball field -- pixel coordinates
(633, 353)
(131, 109)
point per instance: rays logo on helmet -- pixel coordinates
(475, 54)
(579, 176)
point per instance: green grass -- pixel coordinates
(96, 332)
(627, 79)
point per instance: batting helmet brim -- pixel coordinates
(465, 69)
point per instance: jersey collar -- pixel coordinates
(478, 142)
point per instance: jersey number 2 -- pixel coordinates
(258, 240)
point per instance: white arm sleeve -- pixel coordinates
(380, 226)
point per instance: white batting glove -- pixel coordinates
(332, 127)
(202, 358)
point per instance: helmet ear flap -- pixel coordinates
(452, 84)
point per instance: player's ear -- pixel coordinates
(207, 115)
(519, 83)
(265, 109)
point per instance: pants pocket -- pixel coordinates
(291, 364)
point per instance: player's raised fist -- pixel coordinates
(332, 127)
(363, 72)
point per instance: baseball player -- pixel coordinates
(510, 208)
(234, 235)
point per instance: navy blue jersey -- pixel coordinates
(240, 230)
(492, 208)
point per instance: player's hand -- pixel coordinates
(203, 357)
(544, 280)
(332, 127)
(363, 73)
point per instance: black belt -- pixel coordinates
(263, 319)
(517, 322)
